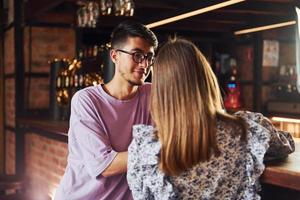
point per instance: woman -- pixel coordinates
(196, 150)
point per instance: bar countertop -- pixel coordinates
(53, 129)
(284, 173)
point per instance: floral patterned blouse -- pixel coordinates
(232, 175)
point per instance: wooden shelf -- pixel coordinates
(57, 130)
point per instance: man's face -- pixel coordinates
(129, 68)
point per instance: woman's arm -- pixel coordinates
(280, 143)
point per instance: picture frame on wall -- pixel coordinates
(270, 53)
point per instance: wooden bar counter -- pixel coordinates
(284, 173)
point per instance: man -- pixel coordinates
(102, 118)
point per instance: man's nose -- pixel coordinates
(144, 63)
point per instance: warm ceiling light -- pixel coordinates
(262, 28)
(193, 13)
(281, 119)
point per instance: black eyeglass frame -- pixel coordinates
(145, 56)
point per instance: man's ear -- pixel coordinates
(113, 55)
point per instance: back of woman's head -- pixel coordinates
(184, 103)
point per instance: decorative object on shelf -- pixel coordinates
(69, 76)
(89, 11)
(233, 89)
(59, 98)
(284, 87)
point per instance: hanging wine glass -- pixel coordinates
(85, 16)
(103, 8)
(95, 12)
(119, 7)
(89, 11)
(128, 7)
(80, 17)
(109, 6)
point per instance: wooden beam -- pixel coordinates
(2, 106)
(55, 18)
(19, 85)
(155, 4)
(36, 7)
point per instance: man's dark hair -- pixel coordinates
(132, 29)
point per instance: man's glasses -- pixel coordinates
(139, 57)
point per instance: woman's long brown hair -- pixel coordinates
(185, 104)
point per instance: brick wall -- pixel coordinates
(287, 53)
(245, 71)
(9, 101)
(9, 52)
(46, 160)
(9, 68)
(266, 94)
(245, 62)
(282, 33)
(10, 165)
(247, 97)
(2, 142)
(38, 93)
(45, 45)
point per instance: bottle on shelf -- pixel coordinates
(233, 88)
(57, 84)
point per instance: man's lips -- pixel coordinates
(140, 71)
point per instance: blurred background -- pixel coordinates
(49, 49)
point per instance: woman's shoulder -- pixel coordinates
(250, 117)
